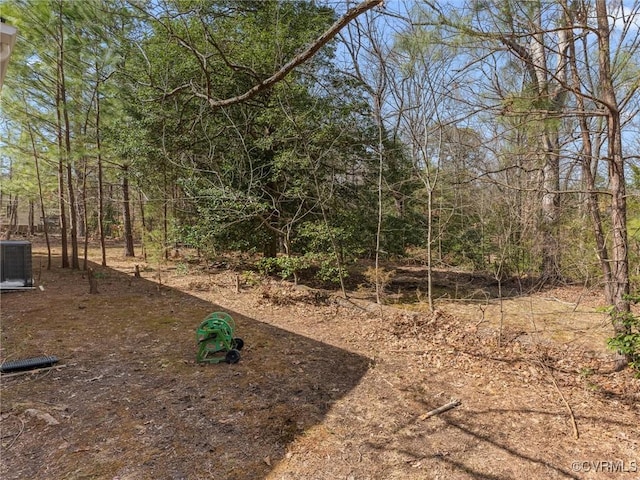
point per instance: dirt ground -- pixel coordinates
(326, 388)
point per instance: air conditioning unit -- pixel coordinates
(15, 265)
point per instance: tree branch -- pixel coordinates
(452, 404)
(299, 59)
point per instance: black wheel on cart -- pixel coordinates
(232, 356)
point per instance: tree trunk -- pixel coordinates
(618, 288)
(61, 147)
(550, 156)
(587, 157)
(32, 227)
(128, 228)
(13, 216)
(101, 234)
(535, 61)
(73, 216)
(62, 97)
(550, 208)
(73, 213)
(145, 227)
(143, 219)
(45, 225)
(85, 215)
(377, 113)
(270, 247)
(103, 248)
(165, 220)
(63, 215)
(61, 189)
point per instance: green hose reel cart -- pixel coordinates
(216, 341)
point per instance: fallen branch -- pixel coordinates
(574, 425)
(413, 352)
(345, 302)
(15, 436)
(452, 404)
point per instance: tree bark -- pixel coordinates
(128, 224)
(550, 208)
(61, 188)
(45, 225)
(13, 216)
(101, 234)
(31, 218)
(85, 215)
(64, 143)
(619, 285)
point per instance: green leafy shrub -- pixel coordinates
(182, 268)
(285, 266)
(329, 271)
(628, 342)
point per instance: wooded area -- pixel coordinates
(495, 137)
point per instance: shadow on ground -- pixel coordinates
(129, 400)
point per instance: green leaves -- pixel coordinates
(628, 345)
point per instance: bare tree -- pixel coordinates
(369, 52)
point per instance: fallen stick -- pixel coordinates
(16, 436)
(439, 410)
(574, 424)
(32, 371)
